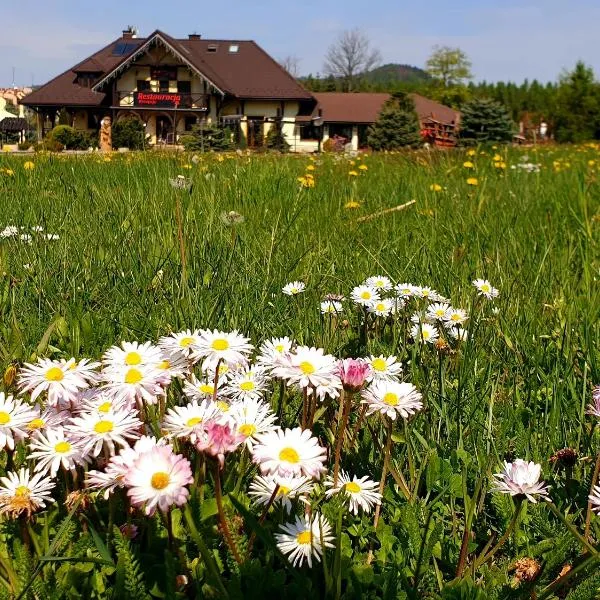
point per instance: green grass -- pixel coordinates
(517, 388)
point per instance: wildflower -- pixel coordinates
(28, 165)
(217, 440)
(364, 295)
(158, 478)
(353, 173)
(468, 165)
(438, 311)
(249, 383)
(521, 478)
(56, 449)
(363, 167)
(180, 183)
(272, 351)
(294, 288)
(185, 421)
(9, 231)
(45, 419)
(472, 181)
(231, 348)
(251, 418)
(392, 399)
(381, 308)
(405, 290)
(352, 204)
(384, 368)
(132, 354)
(182, 343)
(128, 384)
(304, 539)
(379, 282)
(307, 367)
(424, 332)
(353, 373)
(471, 152)
(232, 218)
(331, 307)
(14, 417)
(455, 316)
(262, 489)
(484, 287)
(458, 333)
(289, 452)
(567, 457)
(594, 409)
(361, 492)
(526, 569)
(195, 389)
(20, 493)
(435, 187)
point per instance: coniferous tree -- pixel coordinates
(397, 125)
(275, 139)
(485, 120)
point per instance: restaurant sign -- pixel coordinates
(158, 99)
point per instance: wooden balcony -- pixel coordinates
(161, 100)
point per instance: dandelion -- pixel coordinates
(360, 492)
(468, 165)
(392, 399)
(158, 478)
(28, 165)
(232, 218)
(289, 452)
(180, 182)
(294, 288)
(484, 288)
(20, 493)
(521, 478)
(352, 204)
(305, 539)
(472, 181)
(435, 187)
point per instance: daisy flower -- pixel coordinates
(294, 288)
(86, 368)
(521, 478)
(424, 332)
(405, 290)
(14, 418)
(455, 316)
(158, 478)
(289, 452)
(594, 408)
(381, 308)
(175, 365)
(458, 333)
(97, 400)
(272, 351)
(182, 343)
(56, 449)
(20, 493)
(251, 417)
(44, 419)
(56, 378)
(97, 431)
(484, 288)
(438, 311)
(384, 368)
(141, 383)
(304, 539)
(364, 295)
(218, 439)
(132, 354)
(184, 421)
(290, 488)
(594, 499)
(307, 367)
(379, 282)
(249, 383)
(331, 307)
(428, 293)
(392, 399)
(353, 373)
(230, 348)
(361, 492)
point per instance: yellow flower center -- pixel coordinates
(22, 491)
(390, 399)
(304, 538)
(163, 365)
(220, 344)
(160, 480)
(206, 388)
(365, 295)
(379, 364)
(223, 406)
(289, 455)
(62, 447)
(485, 288)
(439, 312)
(105, 407)
(4, 418)
(133, 376)
(35, 424)
(426, 334)
(55, 374)
(380, 306)
(193, 421)
(279, 348)
(247, 429)
(307, 368)
(247, 386)
(103, 427)
(186, 341)
(133, 358)
(455, 317)
(352, 487)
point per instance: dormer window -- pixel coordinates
(234, 48)
(86, 79)
(212, 48)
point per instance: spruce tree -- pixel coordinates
(484, 120)
(397, 125)
(275, 139)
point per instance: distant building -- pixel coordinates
(171, 85)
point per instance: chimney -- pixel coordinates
(194, 36)
(129, 33)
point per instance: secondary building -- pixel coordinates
(171, 85)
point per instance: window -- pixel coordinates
(212, 48)
(190, 122)
(234, 48)
(163, 86)
(184, 87)
(124, 48)
(310, 132)
(143, 85)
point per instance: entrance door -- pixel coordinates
(256, 131)
(164, 130)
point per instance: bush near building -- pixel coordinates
(128, 133)
(397, 125)
(485, 120)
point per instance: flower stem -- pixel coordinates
(345, 403)
(222, 519)
(262, 518)
(216, 379)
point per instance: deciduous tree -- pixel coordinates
(450, 66)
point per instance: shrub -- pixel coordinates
(207, 137)
(275, 139)
(397, 125)
(128, 133)
(49, 145)
(71, 138)
(24, 145)
(485, 120)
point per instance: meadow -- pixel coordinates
(98, 250)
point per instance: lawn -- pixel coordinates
(98, 250)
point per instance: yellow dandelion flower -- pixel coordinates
(497, 158)
(500, 165)
(352, 204)
(468, 165)
(435, 187)
(310, 167)
(363, 168)
(353, 173)
(29, 166)
(471, 153)
(186, 166)
(472, 181)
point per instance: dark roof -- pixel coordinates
(13, 124)
(248, 73)
(364, 107)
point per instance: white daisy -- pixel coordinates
(379, 282)
(392, 399)
(141, 383)
(438, 311)
(289, 452)
(132, 354)
(424, 332)
(294, 288)
(290, 488)
(55, 449)
(249, 383)
(251, 418)
(182, 343)
(41, 420)
(14, 417)
(361, 492)
(458, 333)
(405, 290)
(455, 316)
(484, 288)
(521, 478)
(331, 307)
(308, 367)
(384, 368)
(272, 351)
(364, 295)
(20, 493)
(231, 348)
(196, 389)
(381, 308)
(304, 539)
(184, 421)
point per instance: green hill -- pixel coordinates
(396, 73)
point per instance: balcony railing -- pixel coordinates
(173, 100)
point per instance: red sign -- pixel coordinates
(157, 99)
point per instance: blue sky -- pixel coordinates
(506, 40)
